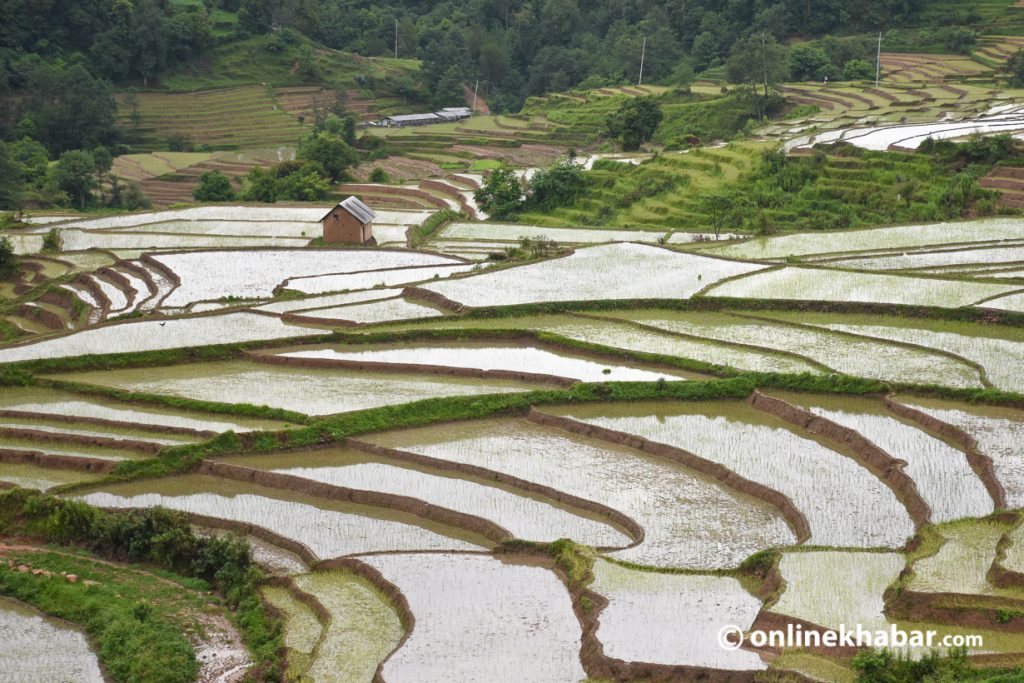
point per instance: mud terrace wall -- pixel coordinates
(60, 462)
(881, 464)
(789, 511)
(81, 439)
(103, 422)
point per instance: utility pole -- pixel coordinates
(475, 88)
(396, 37)
(878, 60)
(643, 53)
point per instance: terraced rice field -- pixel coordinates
(587, 487)
(529, 359)
(37, 648)
(327, 528)
(594, 273)
(832, 588)
(303, 390)
(844, 504)
(689, 520)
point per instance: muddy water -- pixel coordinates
(689, 520)
(479, 619)
(329, 528)
(645, 610)
(364, 628)
(32, 477)
(305, 390)
(37, 649)
(118, 433)
(844, 503)
(73, 450)
(525, 516)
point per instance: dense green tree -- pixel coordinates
(501, 194)
(858, 70)
(11, 179)
(758, 61)
(634, 122)
(68, 109)
(8, 261)
(33, 158)
(308, 183)
(213, 186)
(809, 63)
(559, 185)
(333, 154)
(75, 173)
(256, 16)
(727, 210)
(1014, 69)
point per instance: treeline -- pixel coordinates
(515, 48)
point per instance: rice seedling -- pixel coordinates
(363, 629)
(833, 588)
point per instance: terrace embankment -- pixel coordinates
(62, 462)
(412, 506)
(881, 464)
(979, 462)
(796, 519)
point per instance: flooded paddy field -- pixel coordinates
(63, 403)
(842, 353)
(526, 515)
(363, 628)
(942, 473)
(328, 528)
(481, 619)
(304, 390)
(154, 335)
(594, 273)
(644, 611)
(39, 649)
(42, 478)
(830, 587)
(844, 503)
(689, 520)
(511, 358)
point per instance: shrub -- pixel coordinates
(8, 262)
(379, 175)
(213, 186)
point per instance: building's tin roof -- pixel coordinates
(357, 208)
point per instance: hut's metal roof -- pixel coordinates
(357, 208)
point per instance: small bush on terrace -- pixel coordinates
(8, 262)
(214, 186)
